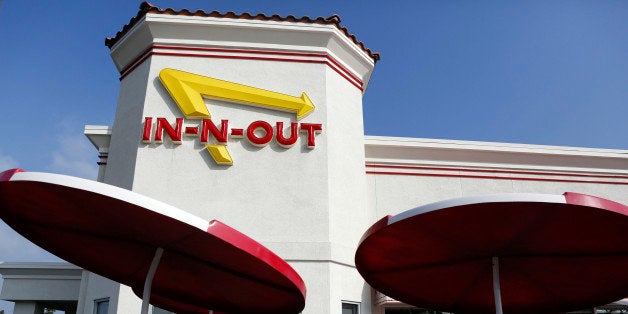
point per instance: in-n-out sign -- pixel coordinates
(259, 133)
(188, 89)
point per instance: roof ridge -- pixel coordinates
(147, 7)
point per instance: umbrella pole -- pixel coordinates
(496, 289)
(149, 280)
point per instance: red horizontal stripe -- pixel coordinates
(334, 61)
(497, 171)
(331, 62)
(491, 177)
(135, 65)
(178, 54)
(140, 57)
(356, 84)
(255, 51)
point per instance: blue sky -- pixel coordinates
(536, 72)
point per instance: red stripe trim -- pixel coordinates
(338, 70)
(265, 52)
(490, 177)
(496, 171)
(140, 57)
(178, 54)
(330, 61)
(334, 61)
(286, 53)
(135, 65)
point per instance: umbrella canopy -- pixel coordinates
(555, 253)
(116, 233)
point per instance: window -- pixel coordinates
(350, 308)
(101, 306)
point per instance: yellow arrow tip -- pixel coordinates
(307, 107)
(220, 154)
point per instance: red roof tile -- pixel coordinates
(146, 8)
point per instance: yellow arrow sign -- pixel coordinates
(187, 90)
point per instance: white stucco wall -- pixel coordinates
(292, 200)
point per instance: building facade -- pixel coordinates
(294, 172)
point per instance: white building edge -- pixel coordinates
(308, 205)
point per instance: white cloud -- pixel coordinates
(6, 162)
(74, 155)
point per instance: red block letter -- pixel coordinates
(173, 133)
(311, 129)
(259, 141)
(148, 124)
(209, 126)
(294, 134)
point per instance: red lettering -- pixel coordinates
(294, 134)
(311, 129)
(173, 133)
(209, 126)
(254, 139)
(148, 125)
(237, 132)
(191, 130)
(259, 133)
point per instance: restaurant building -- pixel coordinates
(278, 152)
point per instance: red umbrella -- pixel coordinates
(523, 253)
(183, 263)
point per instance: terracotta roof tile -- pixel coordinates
(147, 7)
